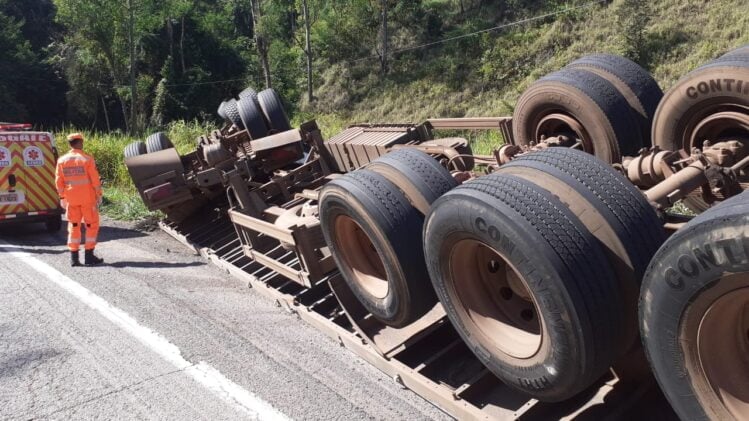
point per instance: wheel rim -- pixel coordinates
(717, 127)
(360, 256)
(494, 300)
(722, 347)
(559, 124)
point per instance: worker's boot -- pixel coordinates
(90, 259)
(75, 259)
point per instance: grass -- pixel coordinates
(121, 200)
(487, 80)
(478, 76)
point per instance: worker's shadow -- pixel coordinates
(152, 265)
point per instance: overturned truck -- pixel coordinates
(548, 279)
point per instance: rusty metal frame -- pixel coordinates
(428, 358)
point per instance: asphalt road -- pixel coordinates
(158, 333)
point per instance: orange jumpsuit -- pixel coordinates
(79, 185)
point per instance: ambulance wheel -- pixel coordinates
(53, 223)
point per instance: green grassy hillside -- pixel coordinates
(485, 74)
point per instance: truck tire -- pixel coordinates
(252, 118)
(135, 149)
(743, 50)
(374, 235)
(580, 102)
(270, 103)
(222, 111)
(419, 176)
(609, 206)
(158, 142)
(232, 114)
(703, 105)
(525, 284)
(215, 153)
(694, 318)
(634, 83)
(249, 93)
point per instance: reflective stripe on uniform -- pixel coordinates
(77, 182)
(67, 158)
(73, 171)
(90, 239)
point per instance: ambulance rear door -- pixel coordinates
(27, 173)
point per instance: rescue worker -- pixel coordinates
(79, 187)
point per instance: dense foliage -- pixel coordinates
(134, 65)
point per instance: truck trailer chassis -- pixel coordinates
(332, 230)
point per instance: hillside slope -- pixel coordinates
(485, 74)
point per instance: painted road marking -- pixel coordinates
(203, 373)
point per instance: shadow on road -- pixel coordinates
(35, 234)
(152, 265)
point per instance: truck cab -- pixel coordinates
(27, 177)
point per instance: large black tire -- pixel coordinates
(374, 235)
(270, 103)
(215, 154)
(693, 314)
(421, 178)
(252, 118)
(158, 141)
(704, 92)
(135, 149)
(232, 113)
(592, 101)
(502, 230)
(609, 206)
(740, 51)
(635, 83)
(222, 111)
(249, 93)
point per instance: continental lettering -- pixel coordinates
(493, 231)
(673, 279)
(700, 259)
(718, 85)
(705, 256)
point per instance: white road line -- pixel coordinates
(202, 372)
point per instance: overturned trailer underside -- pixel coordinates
(502, 286)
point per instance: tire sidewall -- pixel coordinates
(549, 97)
(692, 98)
(337, 200)
(676, 278)
(473, 217)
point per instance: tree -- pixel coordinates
(385, 39)
(261, 40)
(110, 32)
(633, 17)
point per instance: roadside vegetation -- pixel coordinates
(121, 200)
(124, 69)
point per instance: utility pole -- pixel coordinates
(307, 49)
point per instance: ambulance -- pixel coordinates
(27, 177)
